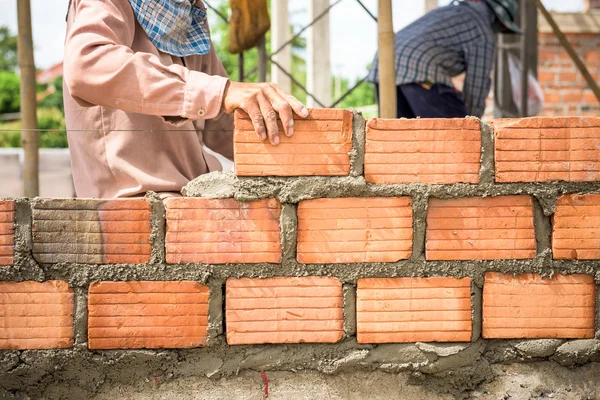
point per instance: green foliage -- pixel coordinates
(54, 100)
(51, 123)
(9, 92)
(8, 50)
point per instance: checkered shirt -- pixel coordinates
(174, 26)
(445, 43)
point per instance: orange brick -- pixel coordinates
(546, 76)
(423, 150)
(576, 227)
(543, 149)
(222, 231)
(135, 315)
(91, 231)
(396, 310)
(319, 146)
(349, 230)
(36, 315)
(7, 232)
(528, 306)
(477, 228)
(284, 310)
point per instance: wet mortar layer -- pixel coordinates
(80, 318)
(158, 228)
(543, 229)
(476, 311)
(357, 154)
(486, 172)
(288, 223)
(349, 307)
(452, 368)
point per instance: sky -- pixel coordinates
(353, 32)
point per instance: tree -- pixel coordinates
(9, 92)
(8, 50)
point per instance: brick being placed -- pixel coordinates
(576, 227)
(284, 310)
(319, 146)
(547, 149)
(7, 232)
(151, 315)
(530, 306)
(442, 151)
(36, 315)
(350, 230)
(397, 310)
(480, 228)
(220, 231)
(90, 231)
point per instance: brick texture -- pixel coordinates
(7, 232)
(476, 228)
(222, 231)
(576, 227)
(528, 306)
(547, 149)
(91, 231)
(350, 230)
(413, 310)
(319, 146)
(423, 150)
(36, 315)
(134, 315)
(284, 310)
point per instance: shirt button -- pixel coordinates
(201, 112)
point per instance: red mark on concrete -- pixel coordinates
(263, 375)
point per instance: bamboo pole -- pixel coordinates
(387, 73)
(29, 134)
(565, 43)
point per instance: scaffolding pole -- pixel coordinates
(387, 73)
(29, 133)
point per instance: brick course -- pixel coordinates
(576, 227)
(7, 232)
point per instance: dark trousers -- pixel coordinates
(440, 101)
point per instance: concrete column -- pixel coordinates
(431, 5)
(280, 33)
(318, 64)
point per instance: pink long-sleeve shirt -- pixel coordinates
(136, 117)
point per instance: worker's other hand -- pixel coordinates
(264, 102)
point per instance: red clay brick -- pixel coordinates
(7, 232)
(576, 227)
(529, 306)
(222, 231)
(319, 146)
(36, 315)
(477, 228)
(91, 231)
(134, 315)
(543, 149)
(284, 310)
(423, 150)
(396, 310)
(349, 230)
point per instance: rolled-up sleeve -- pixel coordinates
(100, 69)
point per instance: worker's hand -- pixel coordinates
(264, 102)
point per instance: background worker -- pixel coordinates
(144, 90)
(445, 43)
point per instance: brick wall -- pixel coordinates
(565, 89)
(418, 242)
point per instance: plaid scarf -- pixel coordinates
(176, 27)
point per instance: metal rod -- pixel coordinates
(367, 10)
(29, 135)
(216, 11)
(387, 73)
(565, 43)
(352, 89)
(524, 61)
(262, 60)
(297, 83)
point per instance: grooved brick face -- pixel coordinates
(350, 230)
(7, 232)
(423, 150)
(284, 310)
(476, 228)
(528, 306)
(91, 231)
(547, 149)
(576, 227)
(222, 231)
(36, 315)
(319, 146)
(397, 310)
(152, 315)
